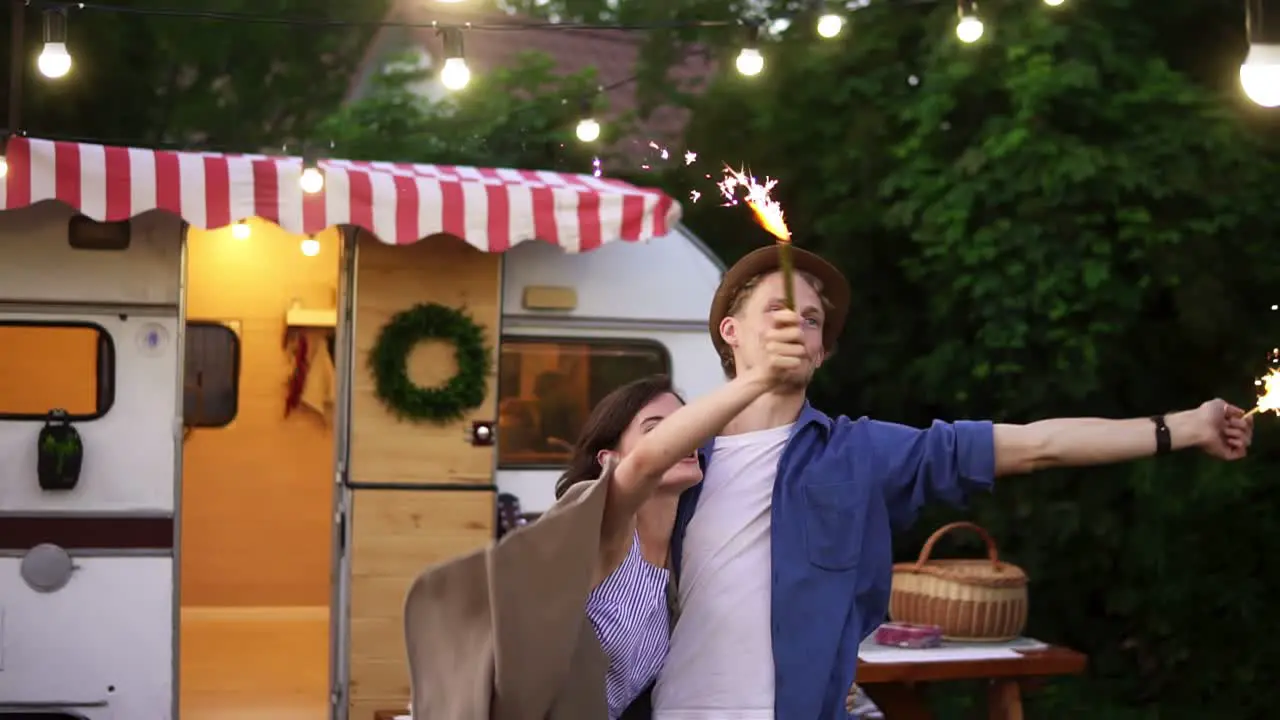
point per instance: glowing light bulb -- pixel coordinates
(588, 130)
(240, 231)
(4, 167)
(830, 25)
(311, 180)
(455, 74)
(969, 29)
(750, 62)
(54, 61)
(1053, 3)
(311, 247)
(1260, 75)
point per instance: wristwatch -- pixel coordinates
(1164, 441)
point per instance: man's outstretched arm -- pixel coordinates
(1220, 429)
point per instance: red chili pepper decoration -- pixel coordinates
(298, 380)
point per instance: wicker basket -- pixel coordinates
(971, 600)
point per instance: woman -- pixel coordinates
(628, 606)
(651, 437)
(502, 633)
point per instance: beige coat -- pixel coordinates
(503, 633)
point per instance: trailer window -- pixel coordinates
(547, 387)
(211, 388)
(47, 366)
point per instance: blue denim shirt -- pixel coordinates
(842, 487)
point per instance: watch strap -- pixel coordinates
(1164, 441)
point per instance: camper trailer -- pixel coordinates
(209, 504)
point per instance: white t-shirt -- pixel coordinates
(720, 666)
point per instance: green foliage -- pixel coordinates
(1072, 216)
(389, 363)
(521, 116)
(142, 80)
(1092, 193)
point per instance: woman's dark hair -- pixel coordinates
(604, 427)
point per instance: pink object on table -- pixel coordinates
(904, 635)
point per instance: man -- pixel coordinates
(782, 555)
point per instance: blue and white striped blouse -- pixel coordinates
(629, 612)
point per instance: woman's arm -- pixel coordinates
(682, 432)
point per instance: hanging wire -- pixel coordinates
(189, 146)
(258, 18)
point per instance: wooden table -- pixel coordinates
(898, 688)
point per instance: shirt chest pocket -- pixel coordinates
(833, 525)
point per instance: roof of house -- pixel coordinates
(613, 54)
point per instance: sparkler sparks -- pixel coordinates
(759, 197)
(1269, 401)
(769, 214)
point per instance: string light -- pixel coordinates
(240, 231)
(455, 75)
(750, 62)
(4, 163)
(969, 27)
(588, 130)
(310, 247)
(312, 178)
(830, 23)
(1260, 71)
(54, 61)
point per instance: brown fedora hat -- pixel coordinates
(835, 288)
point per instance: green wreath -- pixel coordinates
(390, 355)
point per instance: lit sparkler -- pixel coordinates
(1269, 401)
(768, 213)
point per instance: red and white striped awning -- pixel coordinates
(492, 209)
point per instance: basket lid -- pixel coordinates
(991, 572)
(968, 572)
